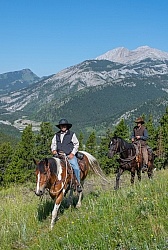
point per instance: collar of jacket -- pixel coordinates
(66, 132)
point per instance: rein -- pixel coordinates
(122, 150)
(128, 159)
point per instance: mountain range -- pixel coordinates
(94, 94)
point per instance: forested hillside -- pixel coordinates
(16, 163)
(102, 106)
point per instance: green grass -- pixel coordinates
(132, 218)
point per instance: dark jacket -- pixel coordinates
(142, 132)
(67, 145)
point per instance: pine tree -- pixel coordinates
(43, 140)
(122, 130)
(160, 152)
(108, 165)
(164, 129)
(91, 144)
(152, 132)
(81, 137)
(21, 167)
(5, 157)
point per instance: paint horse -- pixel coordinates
(56, 175)
(128, 160)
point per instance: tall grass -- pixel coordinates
(132, 218)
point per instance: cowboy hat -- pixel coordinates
(64, 122)
(139, 120)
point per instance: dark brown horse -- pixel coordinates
(56, 175)
(128, 160)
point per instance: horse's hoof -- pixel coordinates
(78, 205)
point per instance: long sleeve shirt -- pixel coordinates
(74, 141)
(142, 132)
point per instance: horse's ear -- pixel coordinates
(35, 161)
(46, 161)
(115, 134)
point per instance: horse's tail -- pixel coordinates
(94, 165)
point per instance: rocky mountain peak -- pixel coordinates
(125, 56)
(15, 80)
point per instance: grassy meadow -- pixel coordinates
(132, 218)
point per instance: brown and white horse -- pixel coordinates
(56, 175)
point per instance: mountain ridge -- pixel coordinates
(12, 81)
(87, 87)
(123, 55)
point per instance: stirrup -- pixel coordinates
(79, 189)
(144, 168)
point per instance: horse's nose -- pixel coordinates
(39, 193)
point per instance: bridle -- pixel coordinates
(114, 147)
(121, 150)
(46, 173)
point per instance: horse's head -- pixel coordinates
(113, 147)
(42, 176)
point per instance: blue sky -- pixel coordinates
(47, 36)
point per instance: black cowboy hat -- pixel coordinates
(139, 120)
(64, 122)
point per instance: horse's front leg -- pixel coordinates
(150, 170)
(79, 203)
(70, 197)
(120, 172)
(132, 176)
(56, 208)
(139, 174)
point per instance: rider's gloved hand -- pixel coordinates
(56, 155)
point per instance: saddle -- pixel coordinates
(150, 153)
(79, 155)
(62, 155)
(138, 152)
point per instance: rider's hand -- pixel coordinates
(54, 152)
(138, 137)
(70, 156)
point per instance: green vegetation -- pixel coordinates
(99, 105)
(16, 164)
(134, 217)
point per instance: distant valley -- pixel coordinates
(94, 94)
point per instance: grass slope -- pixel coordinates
(130, 218)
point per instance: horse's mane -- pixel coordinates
(53, 164)
(41, 166)
(124, 143)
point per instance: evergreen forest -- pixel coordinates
(16, 156)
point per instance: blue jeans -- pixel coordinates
(75, 166)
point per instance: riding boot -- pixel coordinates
(77, 174)
(79, 188)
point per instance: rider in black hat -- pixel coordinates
(140, 134)
(66, 141)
